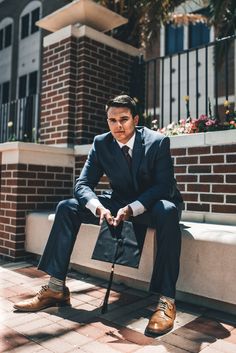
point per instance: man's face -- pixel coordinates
(121, 123)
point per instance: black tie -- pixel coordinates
(125, 150)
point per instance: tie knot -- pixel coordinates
(125, 149)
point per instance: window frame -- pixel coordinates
(6, 39)
(178, 30)
(31, 27)
(28, 80)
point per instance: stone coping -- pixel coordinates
(32, 153)
(85, 31)
(24, 152)
(84, 12)
(189, 140)
(212, 138)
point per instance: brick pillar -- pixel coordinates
(82, 68)
(58, 93)
(33, 177)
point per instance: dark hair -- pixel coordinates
(125, 101)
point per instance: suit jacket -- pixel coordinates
(150, 179)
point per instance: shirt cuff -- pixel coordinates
(92, 205)
(137, 208)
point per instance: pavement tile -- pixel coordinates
(126, 309)
(232, 337)
(10, 338)
(35, 324)
(84, 298)
(224, 347)
(83, 329)
(194, 335)
(97, 303)
(31, 272)
(208, 326)
(104, 325)
(18, 318)
(30, 347)
(90, 331)
(44, 333)
(57, 345)
(96, 293)
(71, 325)
(210, 350)
(117, 342)
(99, 347)
(136, 337)
(221, 316)
(182, 318)
(160, 348)
(76, 302)
(76, 339)
(191, 345)
(139, 325)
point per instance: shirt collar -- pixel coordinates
(129, 143)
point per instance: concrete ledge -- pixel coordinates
(208, 258)
(38, 226)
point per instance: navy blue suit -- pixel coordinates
(150, 181)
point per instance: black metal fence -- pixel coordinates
(190, 83)
(19, 120)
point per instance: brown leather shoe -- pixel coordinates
(162, 321)
(44, 299)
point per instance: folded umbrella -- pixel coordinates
(119, 245)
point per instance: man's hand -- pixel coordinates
(123, 215)
(104, 213)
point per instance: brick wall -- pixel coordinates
(207, 177)
(33, 177)
(58, 98)
(79, 75)
(79, 163)
(26, 188)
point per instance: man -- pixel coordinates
(142, 184)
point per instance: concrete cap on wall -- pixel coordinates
(82, 12)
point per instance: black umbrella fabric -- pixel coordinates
(119, 245)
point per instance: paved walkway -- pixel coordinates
(81, 328)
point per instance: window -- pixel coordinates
(5, 36)
(34, 18)
(25, 26)
(8, 35)
(28, 84)
(28, 26)
(33, 83)
(173, 39)
(5, 92)
(1, 39)
(22, 86)
(199, 34)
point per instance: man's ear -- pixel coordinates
(136, 119)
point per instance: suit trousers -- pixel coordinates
(163, 217)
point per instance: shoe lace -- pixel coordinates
(163, 305)
(42, 290)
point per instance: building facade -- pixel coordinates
(189, 72)
(20, 66)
